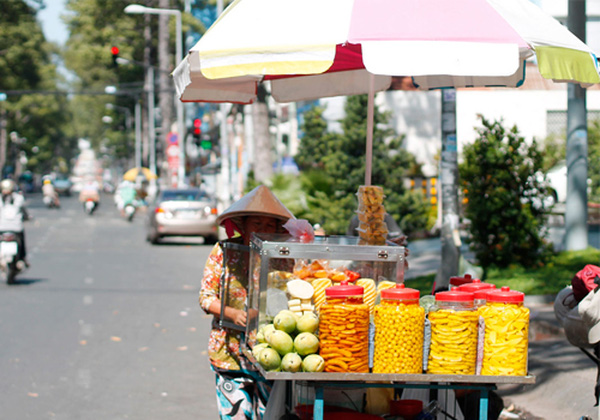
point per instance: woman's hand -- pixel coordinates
(238, 316)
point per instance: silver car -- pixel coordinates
(183, 212)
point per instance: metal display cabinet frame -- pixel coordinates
(232, 251)
(267, 251)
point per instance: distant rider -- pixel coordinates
(127, 195)
(49, 191)
(12, 215)
(90, 190)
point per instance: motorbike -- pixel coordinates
(9, 262)
(50, 202)
(129, 210)
(89, 206)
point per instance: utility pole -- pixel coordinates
(164, 81)
(576, 228)
(450, 235)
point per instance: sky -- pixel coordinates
(52, 25)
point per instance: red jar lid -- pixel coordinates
(400, 292)
(505, 295)
(459, 281)
(344, 289)
(475, 285)
(454, 296)
(481, 294)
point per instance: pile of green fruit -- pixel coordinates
(289, 344)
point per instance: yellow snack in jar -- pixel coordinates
(399, 322)
(506, 333)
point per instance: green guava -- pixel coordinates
(285, 321)
(306, 343)
(258, 348)
(269, 359)
(313, 363)
(291, 362)
(281, 341)
(308, 322)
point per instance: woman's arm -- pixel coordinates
(210, 290)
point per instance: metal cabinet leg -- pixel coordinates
(318, 406)
(483, 404)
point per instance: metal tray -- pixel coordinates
(387, 377)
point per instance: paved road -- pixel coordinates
(103, 325)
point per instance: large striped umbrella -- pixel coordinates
(311, 49)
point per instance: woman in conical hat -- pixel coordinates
(239, 388)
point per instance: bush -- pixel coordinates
(504, 189)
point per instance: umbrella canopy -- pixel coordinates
(312, 48)
(133, 173)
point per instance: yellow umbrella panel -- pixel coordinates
(133, 173)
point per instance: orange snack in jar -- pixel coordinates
(344, 329)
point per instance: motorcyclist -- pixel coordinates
(127, 195)
(12, 215)
(49, 191)
(90, 191)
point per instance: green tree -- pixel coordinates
(333, 167)
(594, 160)
(501, 174)
(28, 71)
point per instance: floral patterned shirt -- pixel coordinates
(224, 343)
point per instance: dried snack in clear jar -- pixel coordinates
(399, 323)
(344, 330)
(453, 347)
(506, 333)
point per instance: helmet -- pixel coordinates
(7, 186)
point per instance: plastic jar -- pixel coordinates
(453, 334)
(475, 286)
(344, 329)
(506, 333)
(399, 321)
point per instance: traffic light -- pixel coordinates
(115, 55)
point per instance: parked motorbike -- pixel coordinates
(89, 206)
(9, 262)
(129, 210)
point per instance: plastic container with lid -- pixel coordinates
(479, 289)
(344, 329)
(399, 321)
(453, 334)
(506, 333)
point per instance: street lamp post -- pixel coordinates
(139, 9)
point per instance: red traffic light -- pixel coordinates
(197, 127)
(114, 50)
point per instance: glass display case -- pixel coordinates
(275, 260)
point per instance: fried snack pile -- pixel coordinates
(372, 229)
(506, 339)
(317, 269)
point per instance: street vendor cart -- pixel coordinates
(276, 260)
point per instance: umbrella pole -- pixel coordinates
(370, 113)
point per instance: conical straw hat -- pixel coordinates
(258, 202)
